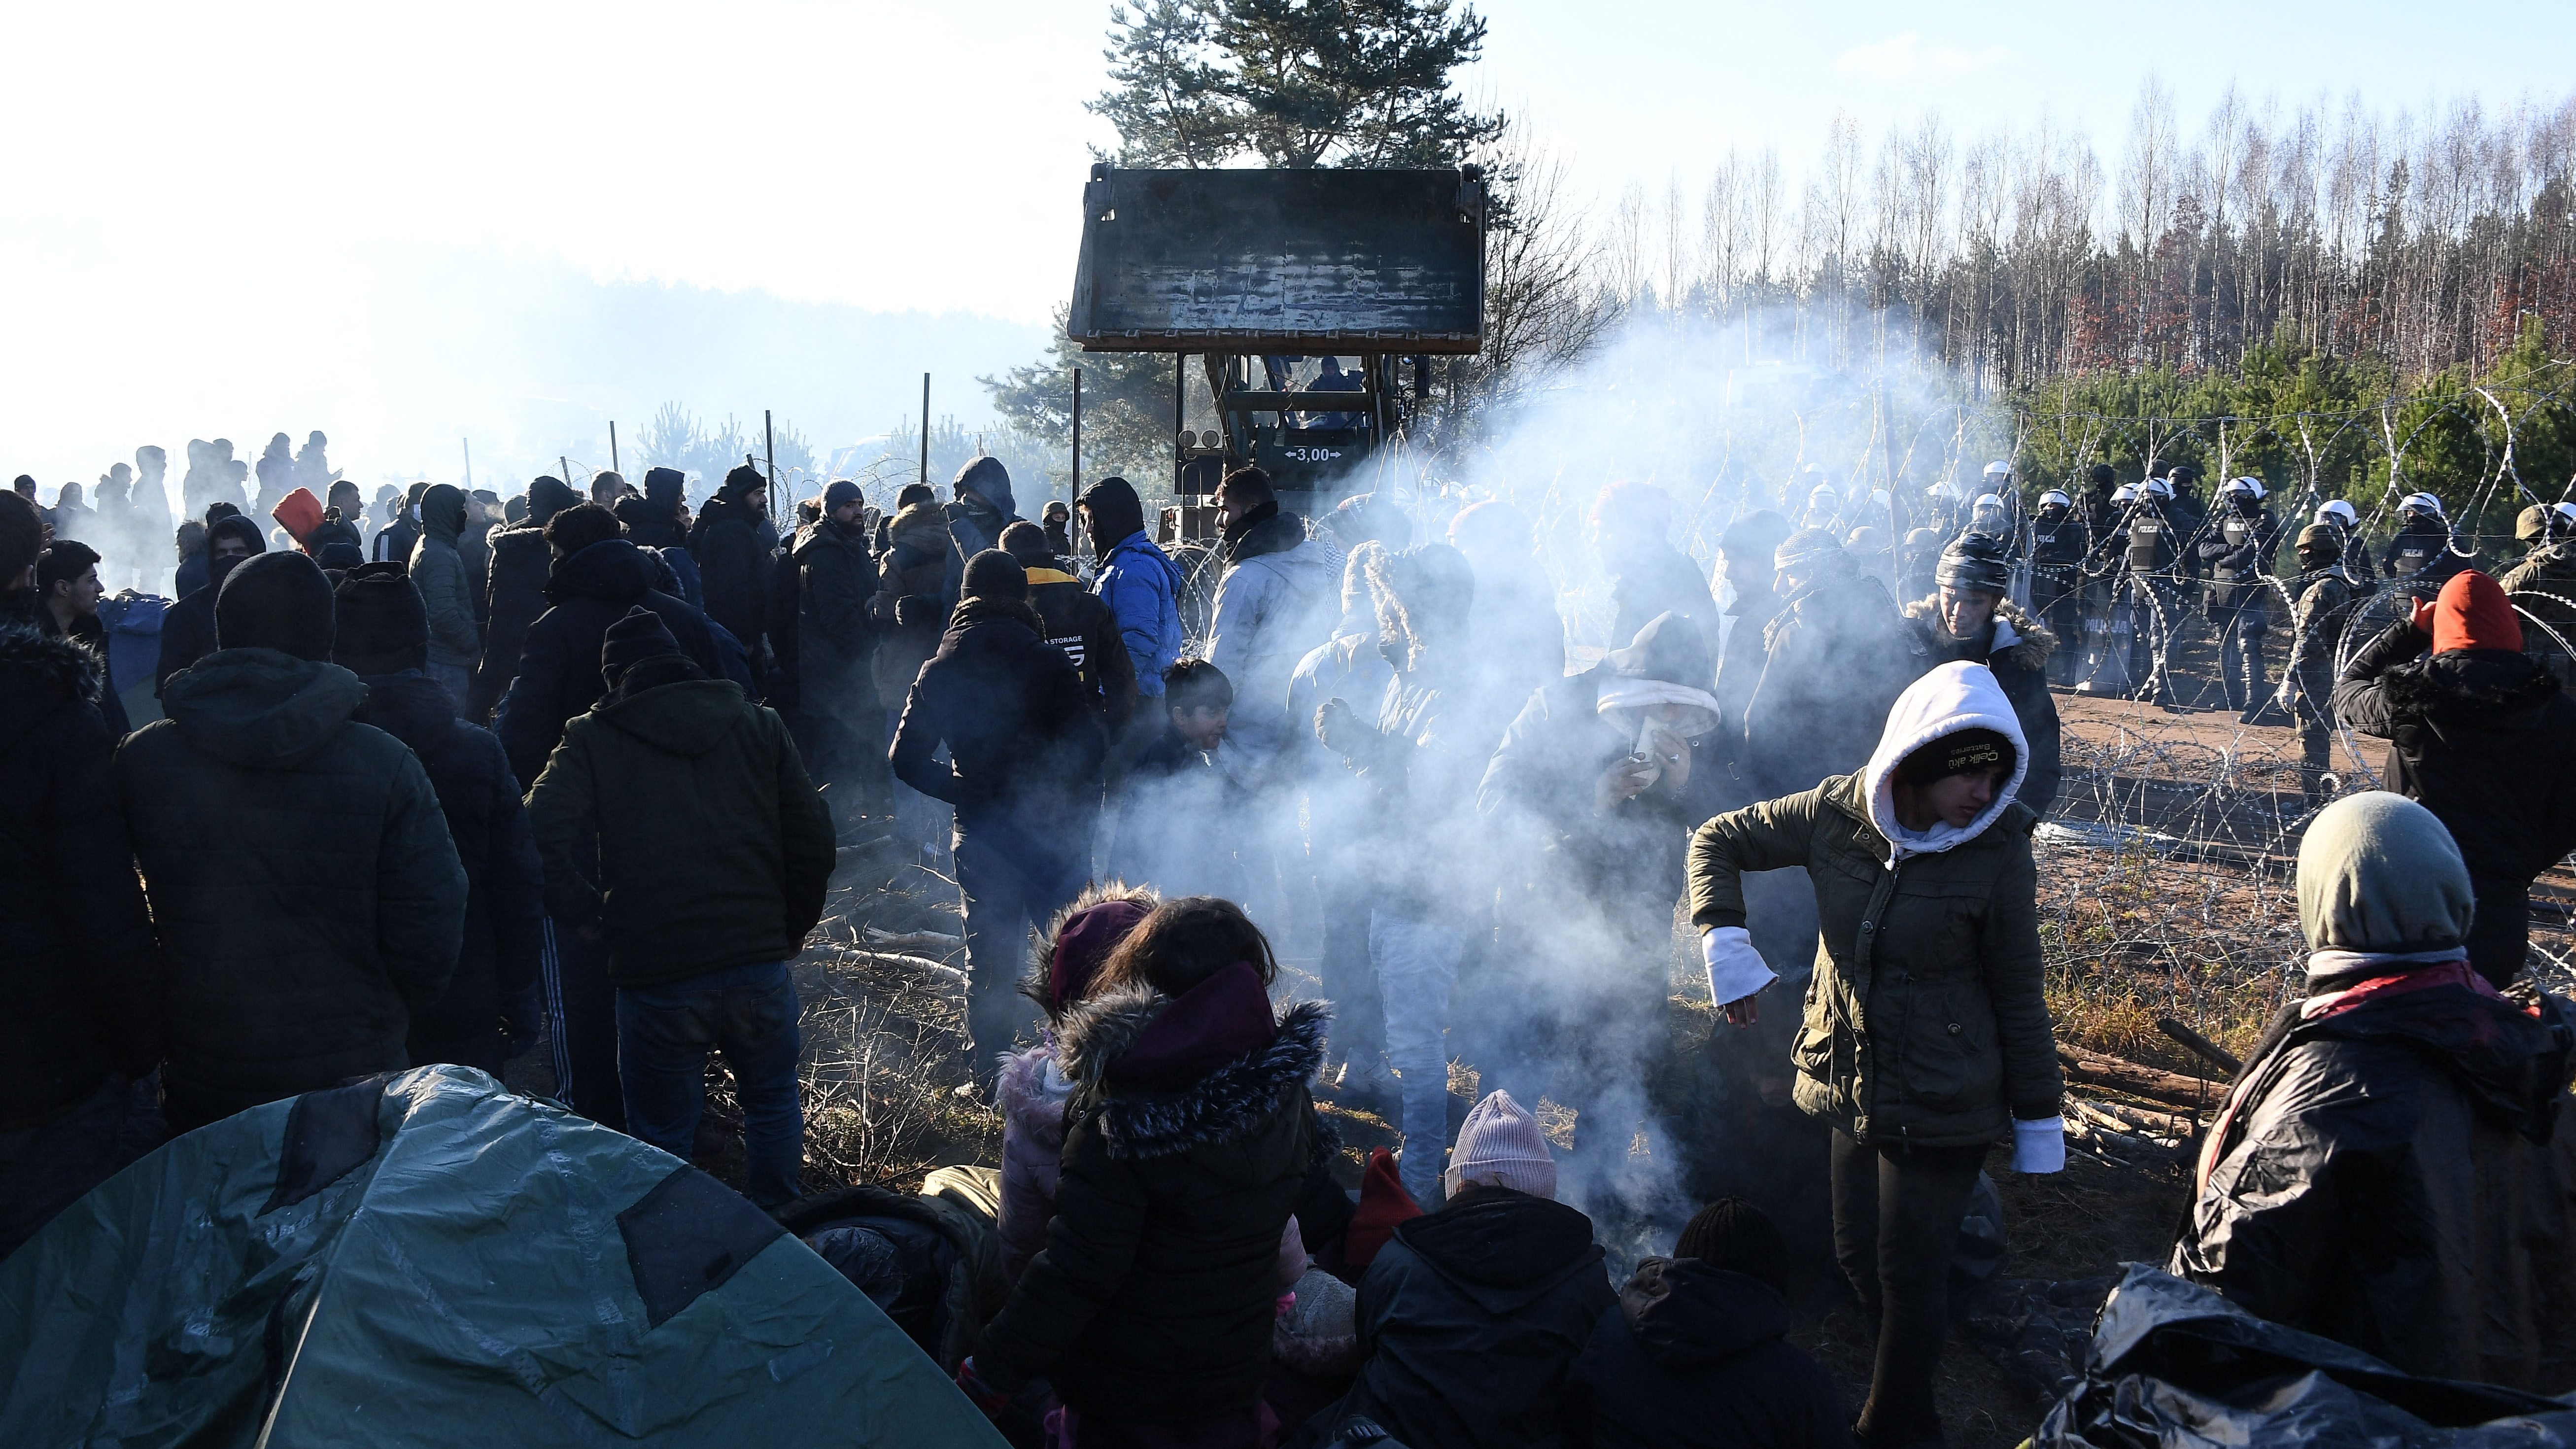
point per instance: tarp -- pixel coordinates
(426, 1259)
(2176, 1365)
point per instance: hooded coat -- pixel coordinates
(712, 849)
(1835, 657)
(1694, 1356)
(733, 569)
(504, 885)
(1925, 1020)
(78, 964)
(438, 570)
(1189, 1140)
(1024, 748)
(984, 507)
(2017, 648)
(1278, 599)
(300, 876)
(2394, 1168)
(653, 519)
(1142, 586)
(559, 674)
(514, 594)
(1086, 629)
(2484, 738)
(1470, 1321)
(911, 569)
(188, 626)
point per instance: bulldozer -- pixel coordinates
(1301, 293)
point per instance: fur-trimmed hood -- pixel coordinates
(1172, 1107)
(40, 673)
(2479, 688)
(2023, 640)
(1031, 1092)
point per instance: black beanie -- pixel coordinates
(994, 574)
(1028, 543)
(1957, 754)
(548, 497)
(276, 601)
(641, 635)
(1733, 1234)
(384, 623)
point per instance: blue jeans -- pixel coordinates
(748, 1013)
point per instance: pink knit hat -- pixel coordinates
(1499, 1145)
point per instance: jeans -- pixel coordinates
(749, 1014)
(581, 1023)
(1005, 899)
(1896, 1226)
(1417, 965)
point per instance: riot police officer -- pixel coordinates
(2056, 547)
(2416, 555)
(2326, 598)
(2148, 548)
(2359, 569)
(2235, 552)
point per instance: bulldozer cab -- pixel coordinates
(1299, 295)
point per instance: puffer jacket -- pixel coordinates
(1925, 1021)
(712, 847)
(300, 876)
(78, 964)
(1024, 749)
(1278, 599)
(1470, 1321)
(1694, 1356)
(2017, 650)
(559, 674)
(733, 569)
(438, 570)
(1190, 1140)
(835, 644)
(2395, 1169)
(515, 595)
(1142, 586)
(2483, 738)
(1032, 1094)
(505, 888)
(907, 609)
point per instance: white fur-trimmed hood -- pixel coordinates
(1952, 697)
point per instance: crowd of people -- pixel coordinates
(580, 772)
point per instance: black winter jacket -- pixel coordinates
(1470, 1321)
(1836, 656)
(711, 847)
(78, 964)
(733, 569)
(559, 665)
(514, 597)
(300, 877)
(1693, 1357)
(1024, 750)
(2481, 737)
(835, 639)
(505, 888)
(2399, 1174)
(1082, 624)
(651, 522)
(1661, 581)
(2017, 649)
(1189, 1140)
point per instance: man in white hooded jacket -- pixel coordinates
(1926, 1037)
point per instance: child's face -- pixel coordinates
(1202, 725)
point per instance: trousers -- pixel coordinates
(1416, 964)
(1896, 1224)
(2500, 935)
(1007, 896)
(581, 1022)
(664, 1034)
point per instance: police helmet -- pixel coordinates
(2248, 486)
(2340, 511)
(2161, 487)
(1998, 469)
(2424, 503)
(2055, 499)
(2125, 493)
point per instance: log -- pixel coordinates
(2200, 1046)
(2152, 1083)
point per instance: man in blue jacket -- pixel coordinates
(1139, 582)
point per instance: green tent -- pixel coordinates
(426, 1259)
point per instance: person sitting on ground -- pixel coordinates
(2388, 1170)
(2479, 733)
(1033, 1088)
(296, 861)
(1921, 863)
(1471, 1319)
(678, 827)
(1189, 1141)
(1695, 1354)
(1180, 817)
(384, 639)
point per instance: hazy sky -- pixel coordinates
(243, 218)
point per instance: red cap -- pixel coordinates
(2472, 613)
(1383, 1205)
(299, 513)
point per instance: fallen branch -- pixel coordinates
(2152, 1083)
(913, 938)
(2200, 1046)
